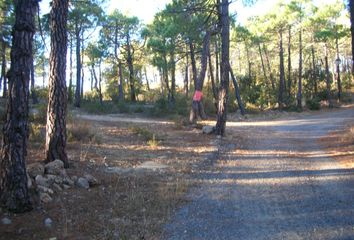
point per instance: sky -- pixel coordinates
(146, 9)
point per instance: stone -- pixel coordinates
(35, 169)
(42, 181)
(54, 179)
(48, 222)
(208, 129)
(6, 221)
(91, 179)
(74, 178)
(44, 197)
(68, 181)
(54, 167)
(66, 187)
(83, 183)
(44, 189)
(57, 187)
(29, 182)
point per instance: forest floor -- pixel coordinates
(160, 179)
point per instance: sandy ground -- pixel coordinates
(278, 184)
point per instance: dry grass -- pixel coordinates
(134, 205)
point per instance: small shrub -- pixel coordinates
(82, 131)
(346, 97)
(38, 114)
(313, 104)
(36, 133)
(153, 142)
(95, 107)
(145, 134)
(123, 107)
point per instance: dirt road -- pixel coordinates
(279, 185)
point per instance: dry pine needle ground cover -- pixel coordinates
(128, 204)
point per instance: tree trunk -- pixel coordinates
(71, 72)
(186, 79)
(197, 105)
(263, 66)
(281, 71)
(328, 78)
(121, 81)
(173, 77)
(224, 84)
(55, 146)
(299, 93)
(33, 91)
(213, 85)
(339, 83)
(217, 71)
(314, 70)
(3, 69)
(14, 194)
(351, 10)
(77, 101)
(131, 70)
(289, 63)
(269, 68)
(193, 62)
(146, 79)
(82, 68)
(237, 92)
(99, 82)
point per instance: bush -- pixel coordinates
(38, 114)
(79, 130)
(313, 104)
(95, 107)
(36, 133)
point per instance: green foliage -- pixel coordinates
(42, 93)
(153, 142)
(150, 137)
(37, 133)
(95, 107)
(38, 114)
(313, 104)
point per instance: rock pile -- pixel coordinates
(52, 178)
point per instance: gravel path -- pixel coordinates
(281, 185)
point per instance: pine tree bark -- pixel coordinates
(55, 147)
(131, 70)
(33, 91)
(71, 71)
(281, 71)
(237, 92)
(328, 78)
(351, 10)
(121, 81)
(314, 70)
(224, 83)
(289, 64)
(77, 100)
(212, 79)
(197, 105)
(299, 93)
(269, 68)
(193, 62)
(3, 69)
(186, 79)
(339, 83)
(14, 194)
